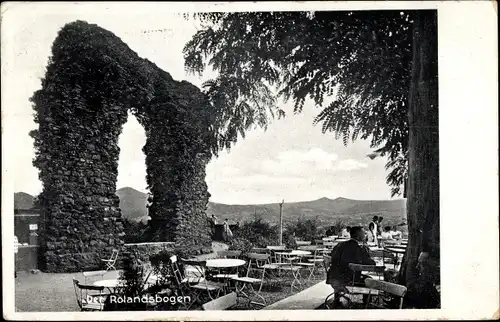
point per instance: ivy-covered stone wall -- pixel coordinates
(92, 80)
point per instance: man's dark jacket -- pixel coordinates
(343, 254)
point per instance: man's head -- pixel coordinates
(375, 218)
(357, 233)
(380, 219)
(387, 229)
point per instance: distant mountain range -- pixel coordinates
(326, 211)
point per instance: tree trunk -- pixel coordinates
(423, 157)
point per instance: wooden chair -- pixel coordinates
(180, 278)
(148, 275)
(383, 242)
(385, 256)
(310, 261)
(380, 288)
(272, 250)
(87, 275)
(361, 289)
(318, 242)
(111, 261)
(257, 250)
(229, 254)
(257, 263)
(83, 294)
(222, 303)
(375, 271)
(203, 286)
(288, 263)
(329, 245)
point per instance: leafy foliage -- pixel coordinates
(92, 80)
(337, 227)
(133, 277)
(360, 61)
(257, 233)
(302, 229)
(135, 232)
(241, 243)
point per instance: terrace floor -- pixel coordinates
(50, 292)
(54, 292)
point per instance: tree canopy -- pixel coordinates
(354, 66)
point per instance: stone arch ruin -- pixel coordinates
(92, 80)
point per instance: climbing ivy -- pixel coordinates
(92, 80)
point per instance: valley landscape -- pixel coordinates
(326, 211)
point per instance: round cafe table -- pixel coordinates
(111, 284)
(229, 265)
(294, 253)
(225, 263)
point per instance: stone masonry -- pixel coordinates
(92, 80)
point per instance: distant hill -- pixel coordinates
(23, 200)
(132, 203)
(326, 211)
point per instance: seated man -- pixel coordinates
(395, 233)
(352, 251)
(387, 233)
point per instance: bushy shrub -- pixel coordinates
(337, 227)
(257, 233)
(241, 243)
(133, 276)
(135, 232)
(302, 230)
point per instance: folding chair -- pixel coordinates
(374, 271)
(259, 250)
(229, 254)
(148, 275)
(288, 263)
(180, 278)
(110, 262)
(310, 261)
(272, 250)
(359, 288)
(203, 286)
(256, 263)
(329, 246)
(318, 242)
(383, 242)
(382, 288)
(87, 275)
(222, 303)
(377, 255)
(383, 256)
(83, 295)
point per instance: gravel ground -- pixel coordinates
(53, 292)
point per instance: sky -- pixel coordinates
(292, 160)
